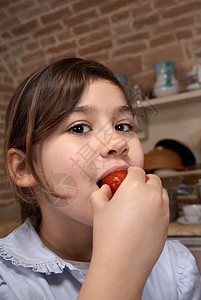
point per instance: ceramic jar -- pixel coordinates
(166, 83)
(122, 78)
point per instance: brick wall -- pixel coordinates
(6, 89)
(126, 35)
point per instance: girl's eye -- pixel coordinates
(124, 127)
(80, 129)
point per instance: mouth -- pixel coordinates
(99, 184)
(110, 171)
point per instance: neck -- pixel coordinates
(67, 238)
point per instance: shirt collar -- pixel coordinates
(23, 247)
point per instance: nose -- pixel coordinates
(114, 145)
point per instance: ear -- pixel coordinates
(18, 168)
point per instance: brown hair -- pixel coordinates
(39, 104)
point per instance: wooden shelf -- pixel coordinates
(172, 99)
(176, 229)
(172, 180)
(190, 178)
(187, 198)
(181, 173)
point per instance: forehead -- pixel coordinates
(102, 91)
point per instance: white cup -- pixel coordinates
(192, 212)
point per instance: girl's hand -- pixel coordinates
(130, 231)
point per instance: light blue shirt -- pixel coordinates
(29, 270)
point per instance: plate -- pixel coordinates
(183, 221)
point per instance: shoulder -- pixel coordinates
(188, 277)
(176, 273)
(180, 257)
(23, 259)
(24, 248)
(175, 251)
(17, 245)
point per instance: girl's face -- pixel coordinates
(94, 141)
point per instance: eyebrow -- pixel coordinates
(84, 109)
(125, 109)
(91, 109)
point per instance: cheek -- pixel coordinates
(137, 153)
(84, 165)
(142, 162)
(141, 159)
(141, 155)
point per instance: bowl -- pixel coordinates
(162, 158)
(188, 158)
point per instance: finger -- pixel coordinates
(165, 195)
(154, 181)
(166, 201)
(136, 174)
(154, 178)
(100, 197)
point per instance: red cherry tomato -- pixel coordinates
(115, 179)
(146, 178)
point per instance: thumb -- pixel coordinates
(101, 197)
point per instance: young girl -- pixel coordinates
(69, 125)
